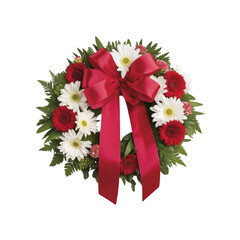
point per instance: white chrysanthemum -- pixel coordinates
(73, 146)
(86, 122)
(186, 77)
(124, 57)
(167, 110)
(162, 82)
(73, 97)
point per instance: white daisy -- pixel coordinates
(86, 122)
(167, 110)
(162, 82)
(124, 57)
(186, 77)
(73, 97)
(73, 146)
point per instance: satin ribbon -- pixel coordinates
(103, 85)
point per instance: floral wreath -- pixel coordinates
(161, 110)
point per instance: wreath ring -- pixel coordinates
(161, 110)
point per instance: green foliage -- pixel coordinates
(83, 165)
(98, 45)
(85, 54)
(47, 86)
(112, 45)
(59, 81)
(127, 145)
(57, 159)
(191, 123)
(45, 126)
(53, 135)
(93, 138)
(152, 48)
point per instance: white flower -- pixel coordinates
(73, 97)
(167, 110)
(86, 122)
(73, 146)
(124, 57)
(162, 82)
(186, 77)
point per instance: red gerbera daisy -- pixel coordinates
(175, 84)
(128, 164)
(74, 72)
(63, 119)
(172, 133)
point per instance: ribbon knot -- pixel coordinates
(103, 85)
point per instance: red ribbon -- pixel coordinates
(103, 85)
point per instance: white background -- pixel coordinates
(197, 202)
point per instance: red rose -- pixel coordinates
(74, 72)
(128, 164)
(172, 133)
(175, 84)
(63, 119)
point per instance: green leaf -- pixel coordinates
(123, 178)
(197, 113)
(48, 87)
(129, 148)
(53, 135)
(46, 148)
(45, 126)
(180, 149)
(57, 159)
(69, 168)
(85, 173)
(139, 178)
(179, 161)
(95, 174)
(195, 104)
(48, 133)
(99, 44)
(127, 137)
(43, 120)
(187, 140)
(48, 110)
(187, 97)
(133, 184)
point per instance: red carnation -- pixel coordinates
(128, 164)
(63, 119)
(175, 84)
(172, 133)
(74, 72)
(143, 50)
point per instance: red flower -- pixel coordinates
(187, 108)
(74, 72)
(163, 65)
(63, 119)
(143, 50)
(175, 84)
(129, 164)
(172, 133)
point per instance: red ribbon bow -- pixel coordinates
(103, 85)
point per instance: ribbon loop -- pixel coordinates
(103, 85)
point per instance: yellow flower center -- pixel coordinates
(76, 143)
(169, 112)
(84, 123)
(75, 97)
(125, 60)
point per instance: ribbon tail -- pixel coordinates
(146, 149)
(109, 155)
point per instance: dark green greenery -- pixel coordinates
(168, 155)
